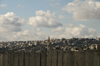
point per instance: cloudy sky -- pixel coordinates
(38, 19)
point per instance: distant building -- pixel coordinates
(94, 46)
(62, 39)
(68, 42)
(36, 43)
(58, 47)
(64, 42)
(98, 39)
(76, 49)
(30, 44)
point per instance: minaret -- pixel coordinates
(48, 44)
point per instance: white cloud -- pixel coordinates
(9, 22)
(67, 31)
(23, 35)
(30, 35)
(6, 36)
(83, 10)
(3, 5)
(78, 31)
(58, 29)
(44, 19)
(19, 5)
(61, 16)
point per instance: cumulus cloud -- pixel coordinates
(30, 35)
(6, 36)
(83, 10)
(61, 16)
(58, 29)
(78, 31)
(68, 31)
(44, 19)
(9, 22)
(3, 5)
(25, 35)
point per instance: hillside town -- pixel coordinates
(72, 44)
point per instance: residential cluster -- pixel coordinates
(72, 44)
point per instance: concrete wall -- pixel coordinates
(51, 58)
(1, 57)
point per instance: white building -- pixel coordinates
(94, 46)
(98, 39)
(36, 43)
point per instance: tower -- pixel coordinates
(48, 44)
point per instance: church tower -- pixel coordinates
(48, 44)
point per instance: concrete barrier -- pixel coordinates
(1, 59)
(43, 58)
(65, 56)
(27, 59)
(32, 58)
(15, 59)
(51, 58)
(76, 58)
(96, 58)
(54, 58)
(70, 58)
(89, 58)
(20, 58)
(60, 59)
(10, 59)
(5, 59)
(37, 59)
(81, 58)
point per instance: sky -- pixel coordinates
(22, 20)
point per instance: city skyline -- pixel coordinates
(24, 20)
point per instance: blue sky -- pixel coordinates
(38, 19)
